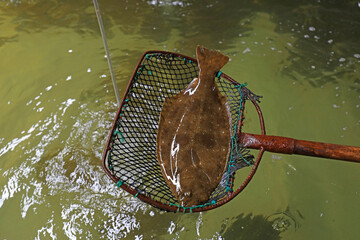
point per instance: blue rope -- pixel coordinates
(213, 202)
(109, 162)
(188, 60)
(122, 138)
(119, 183)
(234, 144)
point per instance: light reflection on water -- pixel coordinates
(69, 171)
(58, 106)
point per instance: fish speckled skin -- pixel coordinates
(193, 140)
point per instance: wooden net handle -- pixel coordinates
(292, 146)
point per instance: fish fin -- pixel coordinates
(210, 60)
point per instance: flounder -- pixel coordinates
(194, 134)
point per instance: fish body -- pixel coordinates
(193, 140)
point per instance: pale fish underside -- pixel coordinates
(193, 140)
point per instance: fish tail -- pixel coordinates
(210, 61)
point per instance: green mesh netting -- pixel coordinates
(132, 157)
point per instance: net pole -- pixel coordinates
(102, 30)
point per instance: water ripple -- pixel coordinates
(60, 171)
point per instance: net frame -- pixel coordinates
(116, 138)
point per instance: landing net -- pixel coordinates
(130, 157)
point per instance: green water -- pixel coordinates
(57, 107)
